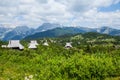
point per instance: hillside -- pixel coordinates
(75, 35)
(87, 60)
(55, 32)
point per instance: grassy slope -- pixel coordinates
(101, 60)
(56, 63)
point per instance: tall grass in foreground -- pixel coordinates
(56, 63)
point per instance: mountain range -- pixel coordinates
(50, 30)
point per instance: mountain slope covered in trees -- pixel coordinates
(55, 32)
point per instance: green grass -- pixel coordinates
(56, 63)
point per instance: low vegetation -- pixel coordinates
(85, 61)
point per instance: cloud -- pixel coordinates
(84, 5)
(42, 1)
(67, 12)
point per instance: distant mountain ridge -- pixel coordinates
(50, 30)
(55, 32)
(4, 31)
(73, 30)
(17, 33)
(22, 31)
(47, 26)
(107, 30)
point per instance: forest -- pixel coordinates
(91, 58)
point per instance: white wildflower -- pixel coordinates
(31, 76)
(26, 78)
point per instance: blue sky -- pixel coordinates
(86, 13)
(111, 8)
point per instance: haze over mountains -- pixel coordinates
(50, 30)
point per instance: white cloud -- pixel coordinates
(66, 12)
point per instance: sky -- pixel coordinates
(86, 13)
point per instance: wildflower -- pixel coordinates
(26, 78)
(31, 76)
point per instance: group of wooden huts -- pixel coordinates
(15, 44)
